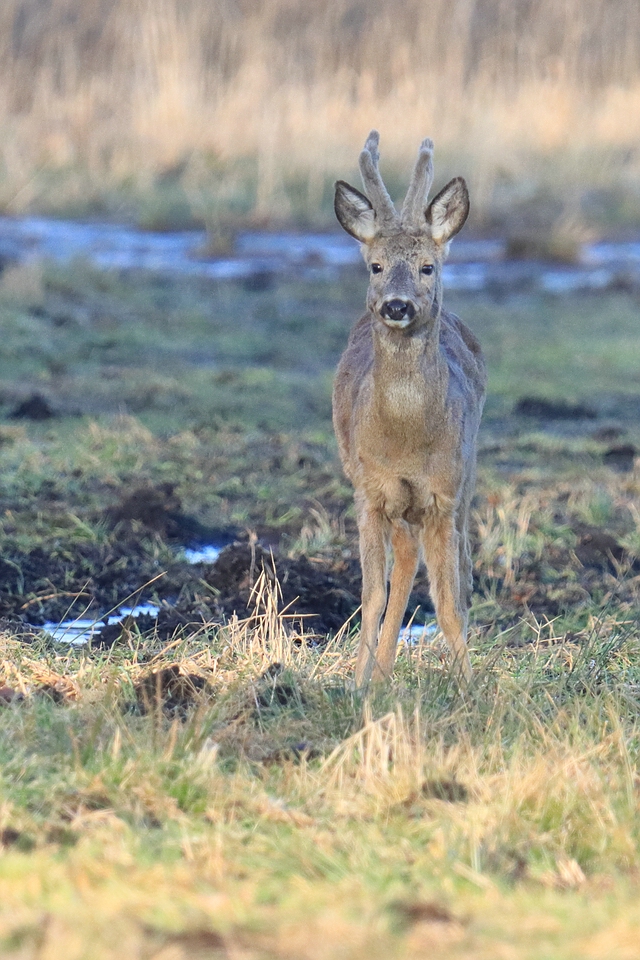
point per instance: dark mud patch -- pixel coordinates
(320, 592)
(319, 595)
(35, 407)
(183, 618)
(607, 433)
(599, 549)
(621, 457)
(158, 509)
(170, 691)
(91, 580)
(564, 578)
(112, 633)
(19, 630)
(543, 409)
(60, 582)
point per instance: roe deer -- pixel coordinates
(407, 402)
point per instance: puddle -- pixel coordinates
(473, 265)
(208, 553)
(419, 633)
(81, 631)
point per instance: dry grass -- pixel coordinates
(281, 816)
(233, 108)
(223, 792)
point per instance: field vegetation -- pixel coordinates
(206, 783)
(170, 112)
(209, 785)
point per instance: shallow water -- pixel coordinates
(419, 633)
(208, 553)
(473, 265)
(81, 631)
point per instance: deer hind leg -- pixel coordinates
(406, 550)
(442, 555)
(373, 531)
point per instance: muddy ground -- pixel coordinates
(318, 592)
(136, 422)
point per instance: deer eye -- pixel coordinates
(376, 268)
(426, 269)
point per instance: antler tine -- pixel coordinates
(375, 189)
(416, 199)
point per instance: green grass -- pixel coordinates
(268, 811)
(182, 352)
(294, 819)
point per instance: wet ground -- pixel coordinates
(260, 258)
(165, 438)
(316, 593)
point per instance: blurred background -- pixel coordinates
(170, 113)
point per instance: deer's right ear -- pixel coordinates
(355, 213)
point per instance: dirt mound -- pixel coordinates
(563, 578)
(34, 407)
(169, 690)
(621, 457)
(185, 618)
(324, 593)
(599, 549)
(41, 584)
(159, 510)
(544, 409)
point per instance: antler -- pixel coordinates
(415, 202)
(386, 213)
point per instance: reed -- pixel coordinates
(252, 107)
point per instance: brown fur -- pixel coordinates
(407, 402)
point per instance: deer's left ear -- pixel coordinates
(448, 211)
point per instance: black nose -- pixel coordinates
(398, 310)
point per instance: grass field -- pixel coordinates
(219, 790)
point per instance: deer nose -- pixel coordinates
(398, 310)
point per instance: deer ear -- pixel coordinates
(355, 213)
(448, 211)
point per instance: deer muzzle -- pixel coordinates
(398, 312)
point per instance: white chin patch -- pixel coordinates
(396, 324)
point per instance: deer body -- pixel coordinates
(407, 402)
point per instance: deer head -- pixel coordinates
(404, 252)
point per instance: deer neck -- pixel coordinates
(409, 375)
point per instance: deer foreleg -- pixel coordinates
(373, 559)
(406, 548)
(442, 556)
(466, 563)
